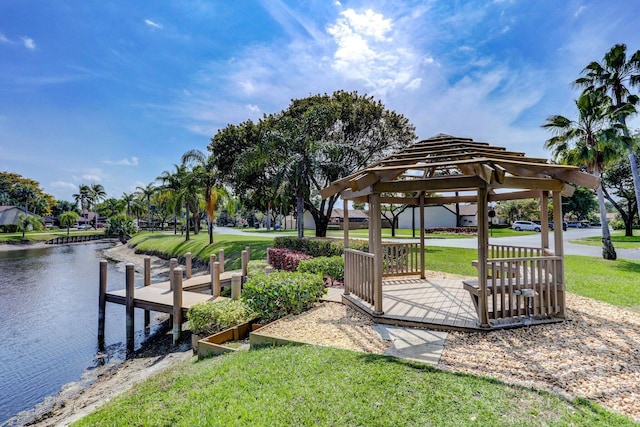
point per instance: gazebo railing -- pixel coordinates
(506, 251)
(358, 274)
(400, 259)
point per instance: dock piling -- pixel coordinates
(221, 260)
(177, 304)
(187, 263)
(129, 304)
(245, 262)
(236, 286)
(173, 263)
(147, 282)
(215, 279)
(102, 303)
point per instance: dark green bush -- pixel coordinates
(617, 224)
(278, 294)
(208, 318)
(329, 267)
(317, 246)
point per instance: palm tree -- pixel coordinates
(96, 194)
(67, 219)
(611, 76)
(26, 221)
(82, 197)
(206, 174)
(184, 187)
(24, 194)
(147, 192)
(588, 142)
(128, 198)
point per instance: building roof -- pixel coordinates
(9, 215)
(353, 213)
(446, 163)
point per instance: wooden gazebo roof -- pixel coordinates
(446, 164)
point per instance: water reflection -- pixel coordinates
(49, 318)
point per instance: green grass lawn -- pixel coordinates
(617, 237)
(320, 386)
(198, 245)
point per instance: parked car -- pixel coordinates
(575, 224)
(526, 226)
(84, 227)
(564, 225)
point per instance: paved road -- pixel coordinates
(532, 240)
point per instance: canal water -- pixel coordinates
(49, 323)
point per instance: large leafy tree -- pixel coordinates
(315, 141)
(613, 76)
(619, 180)
(25, 192)
(589, 142)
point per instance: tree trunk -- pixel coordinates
(636, 181)
(210, 225)
(187, 221)
(608, 251)
(269, 216)
(300, 214)
(393, 226)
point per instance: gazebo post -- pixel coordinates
(483, 243)
(375, 239)
(422, 275)
(345, 222)
(558, 245)
(544, 219)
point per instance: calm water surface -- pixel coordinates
(49, 322)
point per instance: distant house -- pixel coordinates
(439, 216)
(357, 219)
(9, 215)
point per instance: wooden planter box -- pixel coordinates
(213, 345)
(260, 339)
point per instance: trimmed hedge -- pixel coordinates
(286, 259)
(275, 295)
(458, 230)
(208, 318)
(329, 267)
(318, 246)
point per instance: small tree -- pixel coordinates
(67, 219)
(26, 222)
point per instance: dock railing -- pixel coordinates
(358, 274)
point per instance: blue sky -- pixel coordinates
(113, 92)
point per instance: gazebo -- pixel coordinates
(514, 285)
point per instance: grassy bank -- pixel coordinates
(619, 240)
(41, 236)
(198, 245)
(319, 386)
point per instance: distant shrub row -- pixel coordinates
(317, 247)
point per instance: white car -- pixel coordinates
(526, 226)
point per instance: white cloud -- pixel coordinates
(92, 178)
(28, 43)
(253, 108)
(579, 11)
(3, 39)
(123, 162)
(62, 185)
(152, 24)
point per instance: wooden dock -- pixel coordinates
(159, 296)
(175, 296)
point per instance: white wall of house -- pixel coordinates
(434, 216)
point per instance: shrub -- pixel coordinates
(317, 247)
(329, 267)
(208, 318)
(617, 224)
(256, 267)
(285, 259)
(278, 294)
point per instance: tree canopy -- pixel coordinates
(293, 154)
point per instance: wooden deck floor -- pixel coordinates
(158, 297)
(433, 303)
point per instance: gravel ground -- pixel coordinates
(595, 354)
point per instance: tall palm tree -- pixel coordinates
(206, 174)
(588, 142)
(147, 192)
(82, 198)
(184, 186)
(128, 198)
(612, 76)
(96, 195)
